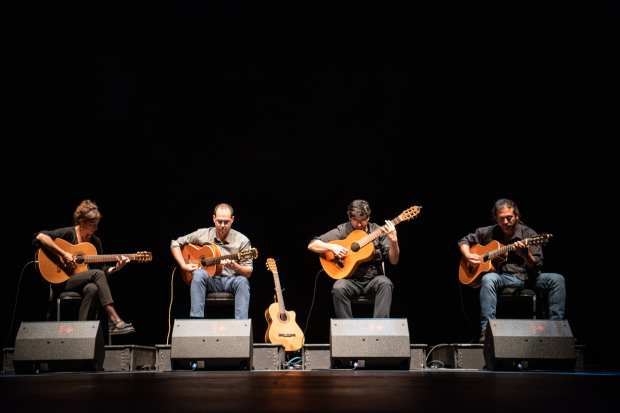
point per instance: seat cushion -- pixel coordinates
(220, 297)
(517, 292)
(362, 299)
(69, 294)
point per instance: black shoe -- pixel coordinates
(484, 331)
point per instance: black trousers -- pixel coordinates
(379, 287)
(93, 286)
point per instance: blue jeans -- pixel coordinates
(493, 284)
(203, 282)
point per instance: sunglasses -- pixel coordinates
(223, 221)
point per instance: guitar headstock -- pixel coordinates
(539, 239)
(410, 213)
(143, 256)
(271, 265)
(248, 254)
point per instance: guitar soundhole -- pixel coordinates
(283, 317)
(355, 247)
(79, 259)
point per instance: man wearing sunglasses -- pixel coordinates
(369, 278)
(234, 276)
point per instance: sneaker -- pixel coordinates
(484, 331)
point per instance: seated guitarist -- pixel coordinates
(234, 276)
(522, 269)
(91, 284)
(368, 279)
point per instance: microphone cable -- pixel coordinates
(15, 307)
(473, 333)
(170, 308)
(312, 305)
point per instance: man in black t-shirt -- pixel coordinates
(522, 268)
(368, 279)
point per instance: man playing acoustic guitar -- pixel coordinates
(369, 278)
(522, 268)
(234, 276)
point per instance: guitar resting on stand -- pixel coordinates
(282, 328)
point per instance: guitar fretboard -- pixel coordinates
(373, 235)
(494, 254)
(217, 260)
(276, 280)
(104, 258)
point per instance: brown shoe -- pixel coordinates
(484, 331)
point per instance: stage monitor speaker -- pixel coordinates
(59, 346)
(372, 343)
(529, 345)
(200, 344)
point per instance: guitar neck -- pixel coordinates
(217, 260)
(504, 250)
(105, 258)
(276, 280)
(373, 235)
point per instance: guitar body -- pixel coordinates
(471, 275)
(54, 269)
(351, 261)
(286, 332)
(193, 254)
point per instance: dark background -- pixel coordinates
(158, 111)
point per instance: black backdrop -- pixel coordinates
(159, 111)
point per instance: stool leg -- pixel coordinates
(58, 309)
(534, 306)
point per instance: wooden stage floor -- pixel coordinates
(311, 391)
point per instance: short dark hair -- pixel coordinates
(224, 206)
(358, 208)
(86, 211)
(506, 203)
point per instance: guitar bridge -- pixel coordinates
(287, 335)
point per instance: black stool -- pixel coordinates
(71, 295)
(536, 301)
(220, 299)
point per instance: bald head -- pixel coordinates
(223, 208)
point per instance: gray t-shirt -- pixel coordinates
(369, 269)
(234, 242)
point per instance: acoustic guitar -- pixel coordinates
(209, 258)
(55, 270)
(491, 256)
(282, 328)
(360, 248)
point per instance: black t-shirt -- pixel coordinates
(514, 264)
(369, 269)
(68, 234)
